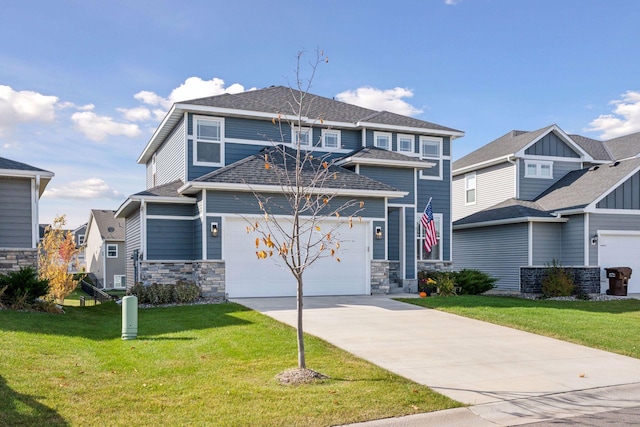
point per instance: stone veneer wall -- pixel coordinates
(379, 276)
(434, 266)
(208, 275)
(13, 259)
(587, 278)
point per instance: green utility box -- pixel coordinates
(129, 317)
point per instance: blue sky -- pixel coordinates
(83, 84)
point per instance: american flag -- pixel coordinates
(429, 225)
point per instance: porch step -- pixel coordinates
(395, 288)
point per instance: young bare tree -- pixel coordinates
(301, 223)
(55, 254)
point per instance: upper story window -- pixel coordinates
(331, 138)
(112, 251)
(405, 143)
(80, 239)
(302, 135)
(538, 169)
(431, 150)
(470, 188)
(382, 140)
(208, 147)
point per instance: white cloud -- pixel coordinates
(381, 100)
(451, 2)
(92, 188)
(67, 104)
(150, 98)
(624, 120)
(138, 114)
(24, 106)
(98, 128)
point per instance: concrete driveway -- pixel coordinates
(511, 376)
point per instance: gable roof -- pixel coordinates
(596, 149)
(275, 102)
(165, 193)
(625, 146)
(109, 227)
(509, 211)
(18, 169)
(580, 188)
(251, 174)
(382, 157)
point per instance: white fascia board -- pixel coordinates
(566, 138)
(484, 164)
(17, 173)
(591, 207)
(570, 211)
(133, 200)
(386, 162)
(371, 125)
(158, 133)
(508, 221)
(191, 186)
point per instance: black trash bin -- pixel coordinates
(618, 280)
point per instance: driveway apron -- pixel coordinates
(471, 361)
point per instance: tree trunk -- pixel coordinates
(302, 364)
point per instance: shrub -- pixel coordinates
(185, 292)
(557, 282)
(446, 285)
(23, 287)
(442, 281)
(156, 294)
(474, 282)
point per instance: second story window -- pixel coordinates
(112, 251)
(470, 188)
(382, 140)
(330, 138)
(405, 143)
(80, 239)
(302, 135)
(538, 169)
(431, 150)
(208, 143)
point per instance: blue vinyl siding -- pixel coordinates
(410, 238)
(351, 139)
(197, 228)
(246, 203)
(170, 239)
(499, 251)
(393, 235)
(15, 213)
(625, 196)
(237, 152)
(256, 130)
(402, 179)
(378, 245)
(547, 243)
(132, 242)
(573, 241)
(530, 188)
(171, 209)
(551, 145)
(440, 192)
(610, 222)
(214, 244)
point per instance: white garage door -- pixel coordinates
(248, 276)
(620, 250)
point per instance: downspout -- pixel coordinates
(143, 228)
(364, 137)
(35, 214)
(104, 263)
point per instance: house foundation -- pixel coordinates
(14, 259)
(586, 278)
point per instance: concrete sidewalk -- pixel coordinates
(511, 377)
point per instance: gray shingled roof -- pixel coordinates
(509, 209)
(507, 144)
(375, 153)
(252, 171)
(166, 190)
(578, 189)
(596, 149)
(13, 165)
(625, 146)
(110, 228)
(278, 100)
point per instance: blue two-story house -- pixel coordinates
(206, 159)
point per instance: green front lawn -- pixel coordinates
(607, 325)
(191, 365)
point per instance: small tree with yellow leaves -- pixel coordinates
(303, 214)
(56, 252)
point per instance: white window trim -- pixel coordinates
(118, 283)
(195, 140)
(438, 217)
(80, 239)
(413, 143)
(467, 188)
(295, 130)
(113, 245)
(538, 164)
(385, 134)
(437, 159)
(332, 131)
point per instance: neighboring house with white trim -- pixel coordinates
(21, 186)
(529, 198)
(208, 155)
(105, 249)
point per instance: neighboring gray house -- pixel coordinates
(208, 154)
(21, 186)
(105, 249)
(529, 198)
(79, 234)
